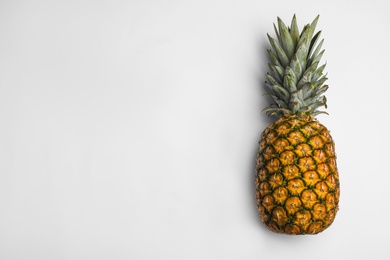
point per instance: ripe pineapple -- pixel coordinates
(297, 183)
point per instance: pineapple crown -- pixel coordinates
(295, 81)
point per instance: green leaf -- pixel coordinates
(277, 71)
(305, 109)
(316, 58)
(318, 49)
(316, 113)
(271, 79)
(306, 78)
(274, 110)
(273, 58)
(307, 90)
(324, 100)
(304, 38)
(288, 72)
(295, 103)
(289, 83)
(285, 39)
(319, 103)
(278, 101)
(279, 51)
(300, 95)
(313, 42)
(313, 67)
(294, 31)
(281, 92)
(296, 66)
(318, 73)
(321, 90)
(320, 81)
(301, 54)
(277, 33)
(313, 26)
(308, 75)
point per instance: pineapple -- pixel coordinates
(297, 183)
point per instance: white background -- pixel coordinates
(129, 129)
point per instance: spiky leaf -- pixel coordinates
(282, 56)
(296, 81)
(294, 31)
(286, 39)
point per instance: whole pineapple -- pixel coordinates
(297, 183)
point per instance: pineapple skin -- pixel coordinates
(297, 182)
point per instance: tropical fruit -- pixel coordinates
(297, 182)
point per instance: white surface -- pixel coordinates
(128, 129)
